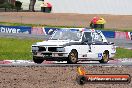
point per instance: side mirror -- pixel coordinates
(85, 41)
(111, 42)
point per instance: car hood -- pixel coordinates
(53, 43)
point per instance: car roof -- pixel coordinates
(79, 29)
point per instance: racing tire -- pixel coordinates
(73, 57)
(105, 58)
(37, 60)
(81, 80)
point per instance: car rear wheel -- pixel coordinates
(105, 58)
(37, 60)
(73, 57)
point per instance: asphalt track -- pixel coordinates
(22, 36)
(65, 65)
(121, 42)
(118, 42)
(29, 63)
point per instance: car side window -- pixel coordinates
(87, 37)
(97, 37)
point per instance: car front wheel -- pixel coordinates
(73, 57)
(37, 60)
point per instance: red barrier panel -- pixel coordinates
(38, 31)
(122, 35)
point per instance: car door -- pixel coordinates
(85, 46)
(98, 46)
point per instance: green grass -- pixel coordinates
(123, 53)
(39, 25)
(19, 49)
(15, 49)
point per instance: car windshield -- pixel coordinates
(66, 35)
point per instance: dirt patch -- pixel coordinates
(61, 19)
(55, 77)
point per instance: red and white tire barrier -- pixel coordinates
(5, 62)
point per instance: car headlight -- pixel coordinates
(34, 48)
(60, 49)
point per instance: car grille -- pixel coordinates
(52, 49)
(42, 49)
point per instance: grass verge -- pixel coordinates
(39, 25)
(123, 53)
(16, 49)
(19, 49)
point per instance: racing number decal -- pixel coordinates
(100, 55)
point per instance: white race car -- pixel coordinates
(73, 46)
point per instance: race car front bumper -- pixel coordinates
(51, 56)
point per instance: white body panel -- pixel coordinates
(86, 50)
